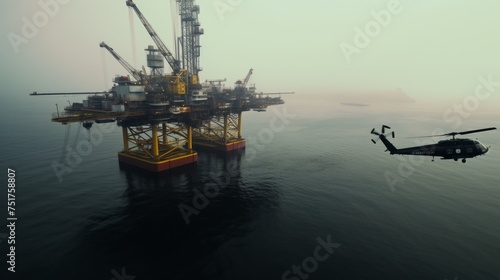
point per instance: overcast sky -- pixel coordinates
(428, 50)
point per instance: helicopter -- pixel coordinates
(454, 148)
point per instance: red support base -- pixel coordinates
(232, 146)
(158, 166)
(240, 144)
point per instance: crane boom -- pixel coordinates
(174, 63)
(136, 74)
(247, 78)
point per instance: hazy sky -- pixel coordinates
(429, 50)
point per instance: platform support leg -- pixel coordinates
(226, 128)
(164, 134)
(154, 129)
(190, 138)
(239, 125)
(125, 138)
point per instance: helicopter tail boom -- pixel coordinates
(388, 144)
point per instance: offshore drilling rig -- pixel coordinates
(164, 117)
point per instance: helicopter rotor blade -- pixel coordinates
(374, 132)
(374, 142)
(429, 136)
(458, 133)
(475, 131)
(384, 127)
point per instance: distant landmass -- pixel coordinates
(354, 104)
(357, 98)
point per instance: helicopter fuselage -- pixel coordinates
(455, 148)
(446, 149)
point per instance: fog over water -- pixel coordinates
(310, 191)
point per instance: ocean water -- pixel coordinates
(309, 177)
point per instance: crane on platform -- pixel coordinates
(247, 78)
(244, 83)
(135, 73)
(172, 61)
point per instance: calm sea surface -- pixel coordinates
(309, 176)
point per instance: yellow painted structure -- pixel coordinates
(222, 132)
(152, 148)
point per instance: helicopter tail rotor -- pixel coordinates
(382, 134)
(383, 137)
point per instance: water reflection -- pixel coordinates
(147, 234)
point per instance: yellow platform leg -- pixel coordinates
(226, 127)
(190, 138)
(239, 125)
(154, 130)
(125, 138)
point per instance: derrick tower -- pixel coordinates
(190, 39)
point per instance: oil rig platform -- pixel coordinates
(165, 118)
